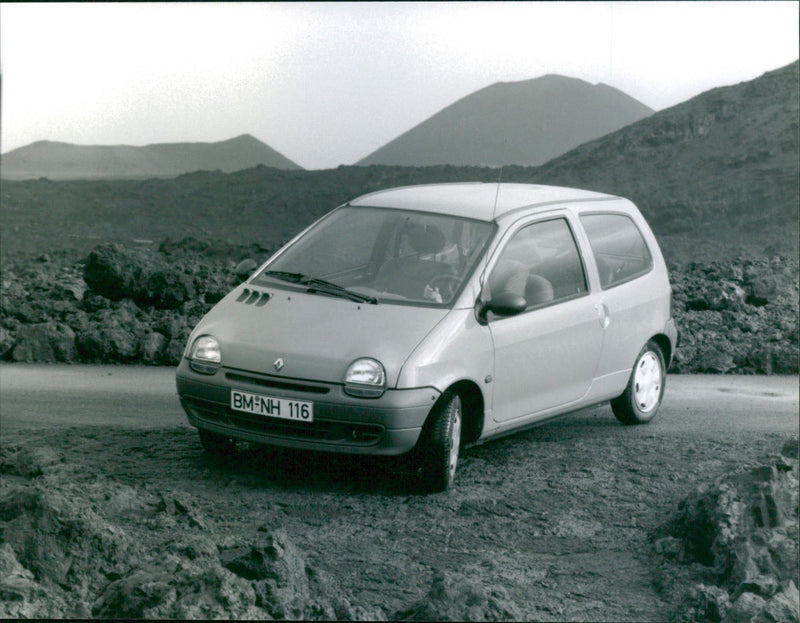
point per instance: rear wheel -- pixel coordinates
(216, 444)
(438, 448)
(641, 399)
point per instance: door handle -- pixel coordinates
(602, 311)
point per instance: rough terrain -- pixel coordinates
(579, 519)
(133, 305)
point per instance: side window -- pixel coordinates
(618, 246)
(541, 262)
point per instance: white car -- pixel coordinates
(422, 319)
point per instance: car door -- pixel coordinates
(630, 287)
(546, 356)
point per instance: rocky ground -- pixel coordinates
(579, 519)
(123, 304)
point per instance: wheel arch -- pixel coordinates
(665, 345)
(472, 409)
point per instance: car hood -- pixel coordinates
(317, 336)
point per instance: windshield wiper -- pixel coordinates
(328, 287)
(285, 276)
(315, 284)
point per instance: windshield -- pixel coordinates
(384, 255)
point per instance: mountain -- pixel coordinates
(523, 123)
(716, 177)
(61, 161)
(723, 165)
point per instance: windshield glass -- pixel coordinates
(394, 256)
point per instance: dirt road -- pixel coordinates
(47, 395)
(554, 523)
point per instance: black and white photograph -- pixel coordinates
(385, 311)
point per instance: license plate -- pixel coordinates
(270, 406)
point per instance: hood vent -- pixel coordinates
(253, 297)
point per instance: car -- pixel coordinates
(417, 321)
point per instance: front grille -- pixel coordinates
(297, 386)
(319, 430)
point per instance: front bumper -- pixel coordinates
(389, 425)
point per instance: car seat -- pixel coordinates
(409, 275)
(538, 290)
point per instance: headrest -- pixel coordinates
(522, 249)
(426, 239)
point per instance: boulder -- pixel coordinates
(454, 597)
(56, 535)
(7, 341)
(177, 344)
(68, 287)
(111, 335)
(31, 462)
(45, 342)
(784, 605)
(279, 571)
(262, 576)
(743, 528)
(715, 357)
(214, 284)
(19, 591)
(168, 288)
(140, 594)
(761, 288)
(707, 603)
(747, 607)
(152, 348)
(117, 272)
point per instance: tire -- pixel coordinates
(640, 401)
(439, 445)
(216, 444)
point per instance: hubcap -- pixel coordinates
(647, 382)
(455, 442)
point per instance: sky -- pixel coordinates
(329, 83)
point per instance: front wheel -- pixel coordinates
(437, 451)
(641, 399)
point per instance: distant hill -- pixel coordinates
(525, 123)
(726, 161)
(61, 161)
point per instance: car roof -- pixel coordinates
(484, 201)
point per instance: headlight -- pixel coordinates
(205, 355)
(365, 378)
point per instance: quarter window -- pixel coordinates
(541, 262)
(619, 249)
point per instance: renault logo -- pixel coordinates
(278, 364)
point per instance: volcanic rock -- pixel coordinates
(457, 598)
(46, 342)
(7, 340)
(152, 348)
(117, 272)
(743, 527)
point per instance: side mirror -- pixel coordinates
(508, 304)
(504, 304)
(245, 268)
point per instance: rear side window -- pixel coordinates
(618, 246)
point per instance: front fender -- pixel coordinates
(457, 349)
